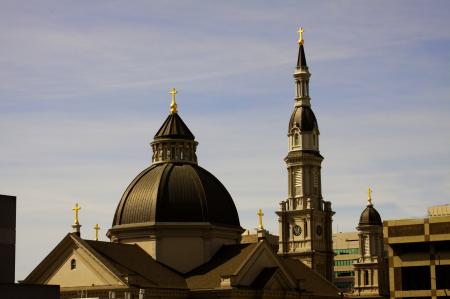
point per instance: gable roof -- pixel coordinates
(310, 280)
(224, 263)
(128, 263)
(241, 265)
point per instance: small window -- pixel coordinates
(296, 139)
(306, 228)
(366, 277)
(73, 264)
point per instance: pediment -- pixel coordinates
(261, 259)
(79, 269)
(71, 264)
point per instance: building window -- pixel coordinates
(344, 273)
(442, 277)
(73, 264)
(416, 278)
(366, 278)
(367, 246)
(347, 251)
(315, 180)
(298, 177)
(296, 139)
(344, 262)
(305, 228)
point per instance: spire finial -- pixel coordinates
(369, 196)
(300, 40)
(173, 105)
(260, 216)
(76, 209)
(97, 228)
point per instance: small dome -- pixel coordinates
(305, 119)
(176, 192)
(370, 216)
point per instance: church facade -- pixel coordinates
(176, 231)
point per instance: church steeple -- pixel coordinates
(301, 76)
(305, 218)
(301, 61)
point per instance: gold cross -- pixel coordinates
(173, 105)
(369, 196)
(97, 228)
(76, 209)
(300, 31)
(260, 215)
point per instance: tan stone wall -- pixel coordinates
(86, 273)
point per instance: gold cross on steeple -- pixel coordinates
(300, 40)
(97, 228)
(76, 209)
(369, 196)
(260, 216)
(173, 105)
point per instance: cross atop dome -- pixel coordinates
(173, 105)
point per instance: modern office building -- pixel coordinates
(346, 250)
(419, 255)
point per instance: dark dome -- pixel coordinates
(305, 119)
(175, 192)
(370, 216)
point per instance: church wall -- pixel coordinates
(171, 243)
(174, 250)
(86, 273)
(148, 245)
(181, 253)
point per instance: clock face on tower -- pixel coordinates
(297, 230)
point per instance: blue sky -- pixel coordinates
(84, 87)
